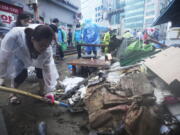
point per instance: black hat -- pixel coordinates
(55, 20)
(22, 16)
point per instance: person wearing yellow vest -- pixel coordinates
(127, 34)
(106, 40)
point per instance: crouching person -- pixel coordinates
(23, 47)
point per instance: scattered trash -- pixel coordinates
(80, 94)
(114, 77)
(120, 100)
(160, 95)
(164, 130)
(115, 66)
(70, 68)
(42, 128)
(96, 80)
(70, 83)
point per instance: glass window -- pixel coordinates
(149, 21)
(150, 7)
(150, 13)
(118, 19)
(132, 6)
(133, 1)
(113, 20)
(101, 6)
(135, 19)
(134, 13)
(135, 25)
(148, 1)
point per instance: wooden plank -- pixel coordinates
(3, 130)
(166, 64)
(88, 63)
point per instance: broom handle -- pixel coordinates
(21, 92)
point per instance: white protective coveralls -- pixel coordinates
(15, 56)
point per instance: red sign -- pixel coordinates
(6, 18)
(10, 8)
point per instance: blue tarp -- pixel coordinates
(91, 34)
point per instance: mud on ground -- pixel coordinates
(23, 119)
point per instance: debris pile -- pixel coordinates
(128, 100)
(118, 101)
(122, 106)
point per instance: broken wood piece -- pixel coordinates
(111, 100)
(112, 103)
(102, 117)
(89, 63)
(166, 64)
(99, 118)
(137, 83)
(119, 108)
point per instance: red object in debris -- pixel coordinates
(50, 97)
(171, 100)
(146, 36)
(119, 108)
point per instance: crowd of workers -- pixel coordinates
(34, 43)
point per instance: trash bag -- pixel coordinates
(70, 83)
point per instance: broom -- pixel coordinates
(25, 93)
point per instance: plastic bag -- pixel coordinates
(70, 83)
(131, 52)
(64, 46)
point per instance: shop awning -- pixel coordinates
(172, 12)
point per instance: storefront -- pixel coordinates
(8, 13)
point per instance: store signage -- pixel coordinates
(10, 8)
(8, 13)
(6, 17)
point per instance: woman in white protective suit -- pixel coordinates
(28, 46)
